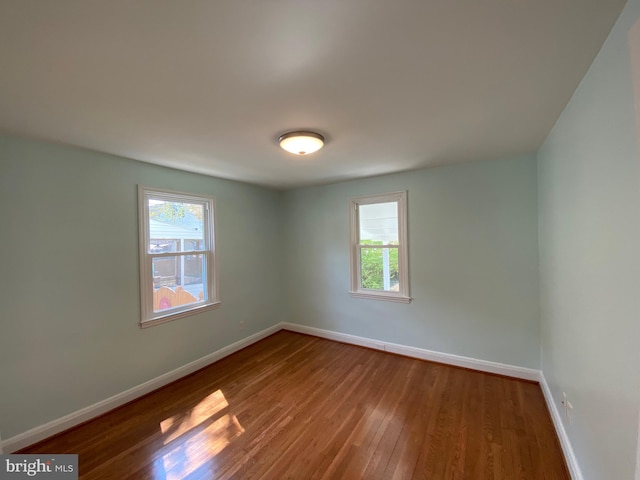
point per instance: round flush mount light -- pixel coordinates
(301, 143)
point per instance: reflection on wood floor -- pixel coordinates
(299, 407)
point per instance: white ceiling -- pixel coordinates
(208, 86)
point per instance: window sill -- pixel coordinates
(381, 296)
(169, 317)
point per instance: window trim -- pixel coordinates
(147, 317)
(356, 290)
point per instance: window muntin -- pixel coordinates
(379, 267)
(177, 255)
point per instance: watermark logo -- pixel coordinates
(40, 466)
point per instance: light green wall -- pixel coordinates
(473, 257)
(589, 217)
(69, 308)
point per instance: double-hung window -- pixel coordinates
(177, 255)
(379, 253)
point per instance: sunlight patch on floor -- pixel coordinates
(194, 439)
(178, 425)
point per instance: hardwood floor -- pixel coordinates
(300, 407)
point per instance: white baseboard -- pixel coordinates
(460, 361)
(56, 426)
(447, 358)
(567, 449)
(75, 418)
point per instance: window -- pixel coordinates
(379, 266)
(177, 255)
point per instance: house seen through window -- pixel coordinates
(177, 254)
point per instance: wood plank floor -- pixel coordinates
(299, 407)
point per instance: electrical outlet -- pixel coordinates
(564, 402)
(569, 408)
(243, 325)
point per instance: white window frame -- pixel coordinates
(148, 317)
(403, 248)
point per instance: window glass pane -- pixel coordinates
(378, 224)
(190, 244)
(194, 269)
(178, 280)
(166, 272)
(379, 269)
(181, 221)
(164, 245)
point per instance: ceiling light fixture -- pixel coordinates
(301, 143)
